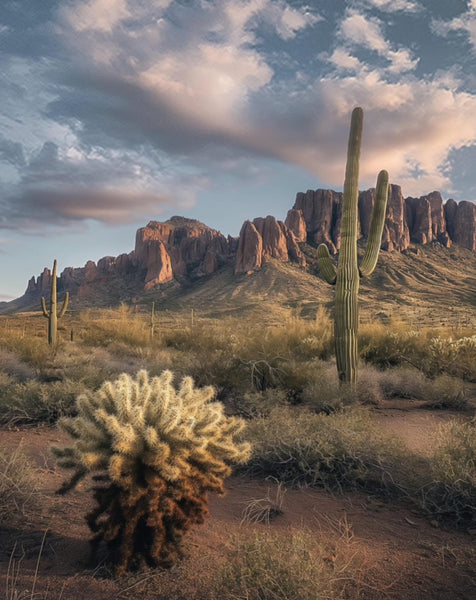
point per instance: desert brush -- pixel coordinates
(155, 453)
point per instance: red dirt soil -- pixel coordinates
(399, 553)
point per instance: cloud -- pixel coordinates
(111, 187)
(360, 30)
(148, 103)
(392, 6)
(11, 152)
(465, 23)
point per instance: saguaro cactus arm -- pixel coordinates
(43, 307)
(65, 305)
(369, 261)
(326, 266)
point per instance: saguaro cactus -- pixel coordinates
(52, 314)
(347, 276)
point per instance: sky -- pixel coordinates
(117, 112)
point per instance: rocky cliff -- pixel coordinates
(179, 249)
(421, 220)
(183, 249)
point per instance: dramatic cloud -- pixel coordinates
(138, 106)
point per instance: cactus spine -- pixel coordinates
(347, 276)
(52, 314)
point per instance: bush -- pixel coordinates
(444, 391)
(155, 453)
(18, 484)
(323, 392)
(451, 493)
(336, 451)
(37, 402)
(432, 354)
(286, 566)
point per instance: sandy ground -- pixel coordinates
(399, 553)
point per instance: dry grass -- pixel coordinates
(287, 566)
(18, 484)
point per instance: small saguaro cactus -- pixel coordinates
(156, 452)
(347, 276)
(52, 315)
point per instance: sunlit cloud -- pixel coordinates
(145, 104)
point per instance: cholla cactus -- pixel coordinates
(156, 452)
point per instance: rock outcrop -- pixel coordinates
(264, 239)
(421, 220)
(464, 225)
(177, 249)
(183, 250)
(321, 210)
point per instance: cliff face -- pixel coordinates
(420, 220)
(179, 249)
(183, 249)
(267, 238)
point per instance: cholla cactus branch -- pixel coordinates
(156, 452)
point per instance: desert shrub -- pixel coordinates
(13, 365)
(384, 348)
(443, 391)
(33, 351)
(404, 382)
(155, 452)
(113, 326)
(284, 566)
(33, 401)
(446, 391)
(340, 450)
(323, 392)
(236, 355)
(259, 404)
(432, 354)
(18, 484)
(451, 492)
(455, 357)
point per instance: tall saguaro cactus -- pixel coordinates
(52, 314)
(346, 277)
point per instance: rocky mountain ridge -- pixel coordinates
(183, 250)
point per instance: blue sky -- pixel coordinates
(116, 112)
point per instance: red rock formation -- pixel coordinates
(184, 249)
(187, 243)
(250, 249)
(159, 265)
(296, 224)
(274, 239)
(426, 219)
(465, 225)
(265, 239)
(451, 208)
(321, 211)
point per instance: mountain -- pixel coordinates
(429, 246)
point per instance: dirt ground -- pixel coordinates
(400, 553)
